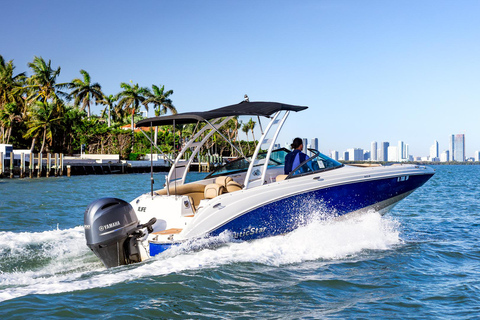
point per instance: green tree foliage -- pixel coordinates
(131, 99)
(42, 122)
(84, 92)
(35, 113)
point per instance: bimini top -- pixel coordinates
(244, 108)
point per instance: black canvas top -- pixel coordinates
(243, 108)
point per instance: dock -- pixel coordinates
(55, 165)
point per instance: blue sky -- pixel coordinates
(368, 70)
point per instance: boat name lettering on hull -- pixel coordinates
(109, 226)
(248, 232)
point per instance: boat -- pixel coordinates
(245, 199)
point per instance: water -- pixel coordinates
(421, 260)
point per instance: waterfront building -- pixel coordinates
(334, 155)
(366, 155)
(477, 156)
(383, 151)
(305, 145)
(345, 156)
(406, 151)
(392, 153)
(434, 150)
(355, 154)
(445, 156)
(401, 151)
(459, 148)
(451, 146)
(314, 143)
(373, 151)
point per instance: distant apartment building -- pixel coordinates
(346, 156)
(334, 155)
(401, 151)
(366, 155)
(392, 154)
(459, 148)
(314, 143)
(355, 154)
(434, 150)
(383, 151)
(305, 145)
(445, 156)
(451, 145)
(373, 151)
(477, 156)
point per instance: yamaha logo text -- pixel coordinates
(109, 226)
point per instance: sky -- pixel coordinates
(367, 70)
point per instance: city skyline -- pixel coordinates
(385, 151)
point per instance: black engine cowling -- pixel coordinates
(112, 231)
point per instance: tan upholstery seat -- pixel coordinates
(183, 189)
(213, 190)
(193, 190)
(281, 177)
(229, 184)
(223, 181)
(233, 186)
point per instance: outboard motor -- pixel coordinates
(112, 231)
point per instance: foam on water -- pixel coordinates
(61, 262)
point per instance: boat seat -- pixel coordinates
(281, 177)
(213, 190)
(228, 183)
(233, 186)
(193, 190)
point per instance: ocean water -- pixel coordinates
(419, 261)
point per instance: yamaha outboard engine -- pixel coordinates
(112, 231)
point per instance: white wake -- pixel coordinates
(66, 264)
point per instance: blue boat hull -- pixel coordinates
(289, 213)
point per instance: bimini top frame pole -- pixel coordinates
(258, 167)
(183, 166)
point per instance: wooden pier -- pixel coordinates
(54, 165)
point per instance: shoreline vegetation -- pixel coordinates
(41, 115)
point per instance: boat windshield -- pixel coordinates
(277, 158)
(317, 163)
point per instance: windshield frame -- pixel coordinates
(317, 154)
(214, 174)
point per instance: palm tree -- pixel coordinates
(85, 92)
(160, 100)
(8, 115)
(43, 119)
(246, 129)
(11, 101)
(131, 99)
(109, 103)
(43, 83)
(161, 103)
(10, 85)
(251, 125)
